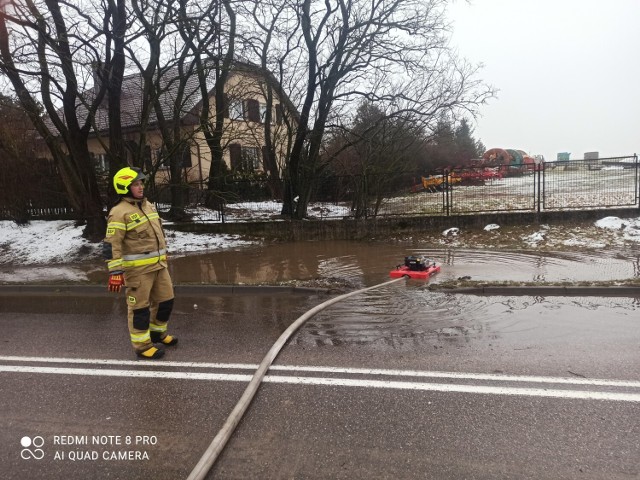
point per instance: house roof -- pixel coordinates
(131, 101)
(132, 97)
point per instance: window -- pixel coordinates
(263, 114)
(100, 162)
(236, 110)
(248, 109)
(244, 159)
(163, 159)
(250, 158)
(252, 110)
(148, 166)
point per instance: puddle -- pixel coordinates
(405, 315)
(370, 263)
(401, 316)
(356, 264)
(33, 274)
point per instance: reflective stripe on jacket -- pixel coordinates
(135, 240)
(141, 259)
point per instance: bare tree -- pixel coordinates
(167, 94)
(377, 155)
(214, 132)
(325, 55)
(209, 34)
(271, 38)
(47, 51)
(392, 53)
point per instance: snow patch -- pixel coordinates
(535, 238)
(612, 223)
(60, 242)
(41, 242)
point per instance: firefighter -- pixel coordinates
(136, 254)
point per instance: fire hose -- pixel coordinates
(220, 440)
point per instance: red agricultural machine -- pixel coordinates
(510, 162)
(494, 164)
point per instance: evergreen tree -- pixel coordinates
(466, 145)
(451, 147)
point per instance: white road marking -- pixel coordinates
(345, 382)
(343, 370)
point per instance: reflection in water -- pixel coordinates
(408, 313)
(358, 264)
(402, 317)
(369, 263)
(394, 317)
(636, 267)
(236, 315)
(266, 265)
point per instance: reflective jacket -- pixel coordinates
(135, 241)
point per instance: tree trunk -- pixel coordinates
(269, 155)
(177, 212)
(214, 136)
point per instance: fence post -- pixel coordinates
(445, 182)
(537, 194)
(542, 183)
(635, 163)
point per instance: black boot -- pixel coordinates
(169, 340)
(152, 353)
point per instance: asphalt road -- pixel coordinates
(531, 388)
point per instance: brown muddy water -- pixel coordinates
(406, 318)
(407, 314)
(357, 264)
(369, 263)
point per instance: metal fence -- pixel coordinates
(33, 191)
(609, 182)
(549, 186)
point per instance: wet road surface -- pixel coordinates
(396, 383)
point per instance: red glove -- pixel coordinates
(116, 280)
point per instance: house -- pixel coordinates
(243, 138)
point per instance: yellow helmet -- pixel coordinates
(125, 177)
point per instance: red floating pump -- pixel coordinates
(417, 267)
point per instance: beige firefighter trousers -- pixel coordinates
(149, 305)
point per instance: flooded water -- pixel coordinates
(370, 263)
(356, 264)
(407, 315)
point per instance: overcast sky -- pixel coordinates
(567, 71)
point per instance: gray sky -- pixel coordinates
(567, 71)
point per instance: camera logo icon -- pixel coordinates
(31, 448)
